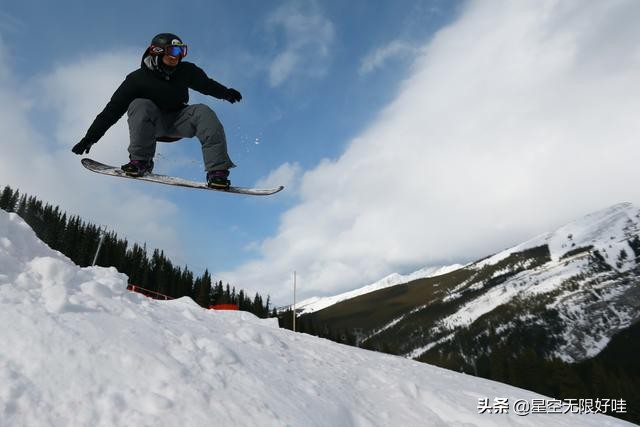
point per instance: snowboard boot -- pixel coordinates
(218, 179)
(138, 168)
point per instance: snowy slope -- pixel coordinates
(77, 349)
(313, 304)
(591, 304)
(606, 230)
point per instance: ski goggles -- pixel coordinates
(178, 50)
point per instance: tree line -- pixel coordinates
(78, 240)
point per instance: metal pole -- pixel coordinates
(102, 235)
(294, 301)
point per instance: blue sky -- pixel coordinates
(408, 133)
(306, 114)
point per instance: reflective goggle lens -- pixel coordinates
(174, 50)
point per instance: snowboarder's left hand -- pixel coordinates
(82, 147)
(232, 95)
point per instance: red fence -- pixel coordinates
(157, 295)
(147, 292)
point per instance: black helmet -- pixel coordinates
(164, 39)
(160, 42)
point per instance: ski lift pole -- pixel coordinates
(294, 301)
(102, 236)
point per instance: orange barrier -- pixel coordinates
(224, 307)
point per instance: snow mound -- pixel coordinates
(79, 350)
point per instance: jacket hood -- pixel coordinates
(154, 64)
(146, 54)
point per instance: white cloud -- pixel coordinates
(381, 55)
(518, 117)
(287, 174)
(304, 43)
(75, 93)
(282, 66)
(69, 97)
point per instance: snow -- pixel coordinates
(313, 304)
(539, 281)
(608, 231)
(417, 352)
(605, 230)
(78, 349)
(543, 280)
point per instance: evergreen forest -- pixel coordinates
(79, 239)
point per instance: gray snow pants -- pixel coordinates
(147, 122)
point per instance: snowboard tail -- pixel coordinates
(101, 168)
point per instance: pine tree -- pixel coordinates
(218, 293)
(72, 236)
(14, 201)
(186, 283)
(242, 304)
(6, 199)
(203, 291)
(266, 306)
(22, 207)
(226, 299)
(257, 307)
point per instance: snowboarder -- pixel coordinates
(155, 98)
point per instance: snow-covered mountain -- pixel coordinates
(591, 280)
(576, 286)
(77, 349)
(313, 304)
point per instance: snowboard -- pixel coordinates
(98, 167)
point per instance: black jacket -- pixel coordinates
(170, 92)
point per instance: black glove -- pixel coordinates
(232, 95)
(82, 147)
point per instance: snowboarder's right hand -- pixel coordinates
(82, 147)
(232, 96)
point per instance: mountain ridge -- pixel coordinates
(314, 304)
(586, 272)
